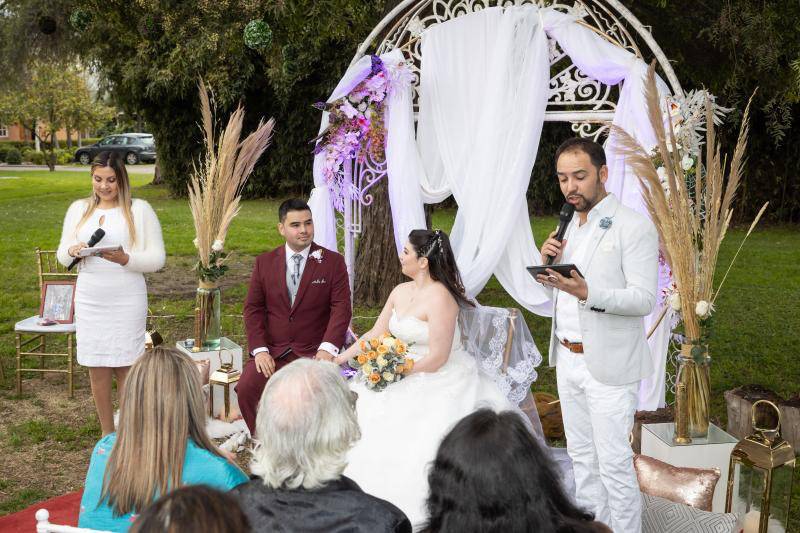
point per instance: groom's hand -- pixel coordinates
(322, 355)
(265, 364)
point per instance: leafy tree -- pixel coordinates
(53, 97)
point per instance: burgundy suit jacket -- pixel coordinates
(321, 310)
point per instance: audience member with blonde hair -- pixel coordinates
(307, 423)
(160, 445)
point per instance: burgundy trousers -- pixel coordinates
(250, 387)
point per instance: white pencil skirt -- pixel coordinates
(110, 317)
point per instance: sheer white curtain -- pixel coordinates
(483, 93)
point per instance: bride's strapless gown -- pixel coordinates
(402, 426)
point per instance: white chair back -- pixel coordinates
(44, 526)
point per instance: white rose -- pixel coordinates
(703, 309)
(389, 342)
(380, 361)
(675, 301)
(388, 376)
(662, 173)
(217, 246)
(687, 162)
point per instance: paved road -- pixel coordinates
(132, 169)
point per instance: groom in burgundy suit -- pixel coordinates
(298, 305)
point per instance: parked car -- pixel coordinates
(135, 147)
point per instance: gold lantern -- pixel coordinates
(760, 476)
(224, 376)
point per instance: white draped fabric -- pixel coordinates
(483, 92)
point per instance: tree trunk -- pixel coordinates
(51, 154)
(377, 268)
(80, 139)
(740, 403)
(69, 136)
(790, 421)
(158, 179)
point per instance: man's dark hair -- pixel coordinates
(292, 204)
(578, 144)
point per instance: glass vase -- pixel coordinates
(693, 372)
(207, 317)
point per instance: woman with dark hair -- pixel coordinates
(492, 476)
(111, 295)
(402, 425)
(193, 508)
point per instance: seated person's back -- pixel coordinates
(160, 444)
(307, 423)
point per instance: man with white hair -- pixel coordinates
(307, 423)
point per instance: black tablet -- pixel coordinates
(564, 270)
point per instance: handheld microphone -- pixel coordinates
(564, 218)
(95, 238)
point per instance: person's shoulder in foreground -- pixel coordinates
(340, 505)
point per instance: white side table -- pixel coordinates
(230, 350)
(711, 452)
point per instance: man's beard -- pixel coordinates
(583, 203)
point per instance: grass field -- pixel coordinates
(47, 438)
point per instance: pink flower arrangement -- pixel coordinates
(356, 127)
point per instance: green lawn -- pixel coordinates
(757, 318)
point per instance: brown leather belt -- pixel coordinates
(574, 347)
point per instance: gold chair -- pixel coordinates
(31, 338)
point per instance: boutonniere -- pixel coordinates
(317, 254)
(605, 222)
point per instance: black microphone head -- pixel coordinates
(567, 210)
(96, 236)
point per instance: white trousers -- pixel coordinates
(597, 421)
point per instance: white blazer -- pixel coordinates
(147, 254)
(621, 272)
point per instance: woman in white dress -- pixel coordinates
(111, 295)
(402, 426)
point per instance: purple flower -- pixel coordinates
(347, 108)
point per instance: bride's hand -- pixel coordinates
(340, 360)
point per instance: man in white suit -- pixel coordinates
(597, 342)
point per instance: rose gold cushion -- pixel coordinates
(692, 486)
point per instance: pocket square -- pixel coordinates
(318, 281)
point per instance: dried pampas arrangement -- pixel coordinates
(692, 218)
(217, 182)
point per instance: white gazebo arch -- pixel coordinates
(574, 97)
(587, 104)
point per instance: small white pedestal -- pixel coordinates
(711, 452)
(230, 350)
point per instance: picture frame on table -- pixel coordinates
(58, 301)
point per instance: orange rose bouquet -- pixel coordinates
(382, 361)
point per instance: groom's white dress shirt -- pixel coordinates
(326, 346)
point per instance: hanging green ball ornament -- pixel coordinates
(47, 24)
(80, 19)
(257, 35)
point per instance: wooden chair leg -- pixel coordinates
(70, 367)
(42, 349)
(17, 343)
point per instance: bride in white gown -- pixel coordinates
(402, 426)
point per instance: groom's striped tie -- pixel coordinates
(294, 278)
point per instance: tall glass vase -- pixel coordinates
(207, 316)
(693, 372)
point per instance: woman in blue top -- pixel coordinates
(160, 444)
